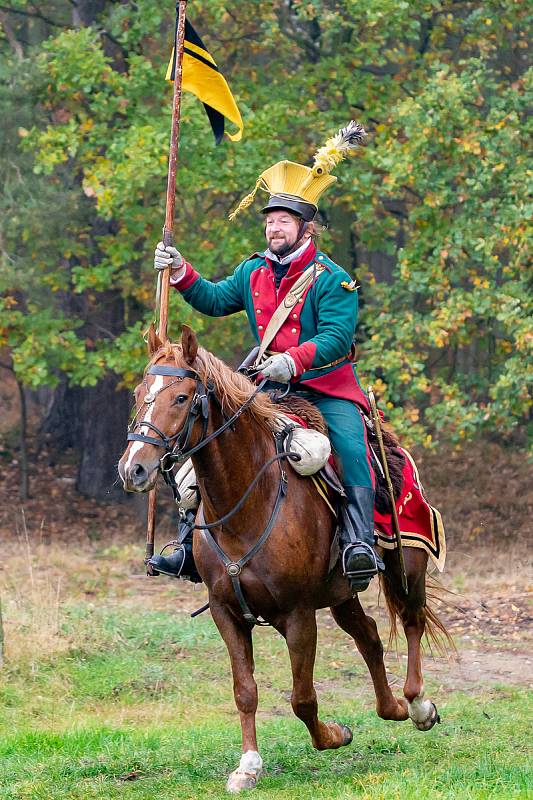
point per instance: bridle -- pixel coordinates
(176, 445)
(176, 450)
(199, 408)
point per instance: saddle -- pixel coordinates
(307, 414)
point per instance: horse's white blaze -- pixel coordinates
(247, 773)
(420, 710)
(155, 387)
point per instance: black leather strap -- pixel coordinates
(234, 568)
(174, 372)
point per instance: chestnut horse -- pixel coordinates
(289, 577)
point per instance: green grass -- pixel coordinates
(150, 693)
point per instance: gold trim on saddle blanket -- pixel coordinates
(322, 489)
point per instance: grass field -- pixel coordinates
(107, 693)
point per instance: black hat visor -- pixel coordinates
(295, 205)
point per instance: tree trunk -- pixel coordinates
(23, 444)
(62, 425)
(104, 419)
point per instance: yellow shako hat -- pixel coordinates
(297, 188)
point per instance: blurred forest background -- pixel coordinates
(431, 217)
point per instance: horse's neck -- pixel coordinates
(227, 466)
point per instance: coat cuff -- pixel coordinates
(189, 277)
(303, 356)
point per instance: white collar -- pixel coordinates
(290, 256)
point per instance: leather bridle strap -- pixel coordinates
(234, 568)
(199, 407)
(180, 456)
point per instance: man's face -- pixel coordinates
(281, 231)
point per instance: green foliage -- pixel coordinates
(442, 188)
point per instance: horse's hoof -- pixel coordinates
(334, 740)
(238, 781)
(427, 724)
(347, 735)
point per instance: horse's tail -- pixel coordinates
(435, 630)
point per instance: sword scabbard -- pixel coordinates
(394, 513)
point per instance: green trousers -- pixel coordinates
(348, 438)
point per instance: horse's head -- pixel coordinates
(169, 401)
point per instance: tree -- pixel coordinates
(430, 216)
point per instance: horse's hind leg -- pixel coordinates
(411, 609)
(299, 630)
(238, 639)
(363, 630)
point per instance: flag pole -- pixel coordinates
(172, 165)
(164, 275)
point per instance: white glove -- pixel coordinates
(279, 368)
(169, 257)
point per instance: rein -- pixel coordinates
(175, 451)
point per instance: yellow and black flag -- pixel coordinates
(202, 77)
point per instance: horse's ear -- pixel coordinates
(189, 344)
(153, 341)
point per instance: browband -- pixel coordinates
(175, 372)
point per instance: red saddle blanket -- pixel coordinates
(420, 524)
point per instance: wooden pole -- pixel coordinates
(172, 166)
(164, 275)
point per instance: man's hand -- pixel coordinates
(168, 257)
(279, 368)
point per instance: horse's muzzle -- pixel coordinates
(138, 478)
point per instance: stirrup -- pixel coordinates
(164, 565)
(360, 578)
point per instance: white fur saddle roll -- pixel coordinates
(313, 447)
(186, 483)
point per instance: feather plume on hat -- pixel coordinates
(307, 183)
(339, 147)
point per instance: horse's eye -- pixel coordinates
(180, 400)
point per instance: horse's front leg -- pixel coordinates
(300, 633)
(238, 639)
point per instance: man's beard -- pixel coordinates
(281, 249)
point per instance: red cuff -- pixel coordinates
(190, 277)
(303, 356)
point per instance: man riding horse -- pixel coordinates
(312, 349)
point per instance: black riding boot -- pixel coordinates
(360, 562)
(180, 563)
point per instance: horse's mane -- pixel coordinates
(232, 388)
